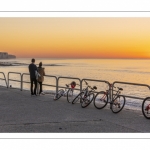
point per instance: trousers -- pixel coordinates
(33, 80)
(40, 88)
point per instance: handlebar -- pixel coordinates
(111, 86)
(92, 88)
(120, 89)
(85, 82)
(67, 85)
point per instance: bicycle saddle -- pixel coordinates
(67, 85)
(94, 87)
(120, 89)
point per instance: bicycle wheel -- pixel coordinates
(101, 100)
(58, 94)
(146, 107)
(118, 104)
(87, 101)
(70, 95)
(78, 97)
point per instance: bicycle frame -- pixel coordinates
(116, 94)
(86, 91)
(67, 89)
(113, 96)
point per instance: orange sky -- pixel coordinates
(76, 37)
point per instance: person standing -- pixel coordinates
(32, 71)
(41, 71)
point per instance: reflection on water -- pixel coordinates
(125, 70)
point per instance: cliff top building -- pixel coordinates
(5, 55)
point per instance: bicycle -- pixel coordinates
(86, 96)
(146, 107)
(67, 92)
(116, 104)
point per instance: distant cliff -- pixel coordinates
(5, 55)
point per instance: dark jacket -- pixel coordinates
(32, 69)
(42, 74)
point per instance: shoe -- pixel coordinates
(33, 95)
(42, 93)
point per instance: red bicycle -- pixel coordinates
(116, 104)
(146, 107)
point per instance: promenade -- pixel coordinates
(19, 112)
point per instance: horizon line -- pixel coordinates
(80, 58)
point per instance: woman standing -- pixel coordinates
(41, 78)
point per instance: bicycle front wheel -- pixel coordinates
(70, 95)
(146, 108)
(59, 94)
(78, 97)
(101, 100)
(118, 104)
(86, 101)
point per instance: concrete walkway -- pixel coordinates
(19, 112)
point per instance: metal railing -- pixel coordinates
(128, 83)
(4, 78)
(50, 84)
(23, 81)
(13, 79)
(57, 83)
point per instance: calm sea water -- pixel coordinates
(124, 70)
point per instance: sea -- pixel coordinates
(126, 71)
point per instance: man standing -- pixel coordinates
(32, 69)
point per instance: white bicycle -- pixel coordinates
(68, 91)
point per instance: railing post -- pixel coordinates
(21, 82)
(8, 80)
(80, 85)
(5, 80)
(112, 89)
(110, 93)
(57, 84)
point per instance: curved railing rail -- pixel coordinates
(51, 84)
(23, 81)
(128, 83)
(13, 79)
(4, 79)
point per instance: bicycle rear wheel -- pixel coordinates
(59, 94)
(118, 104)
(87, 101)
(70, 95)
(146, 108)
(101, 100)
(77, 98)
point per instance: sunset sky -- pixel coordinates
(76, 37)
